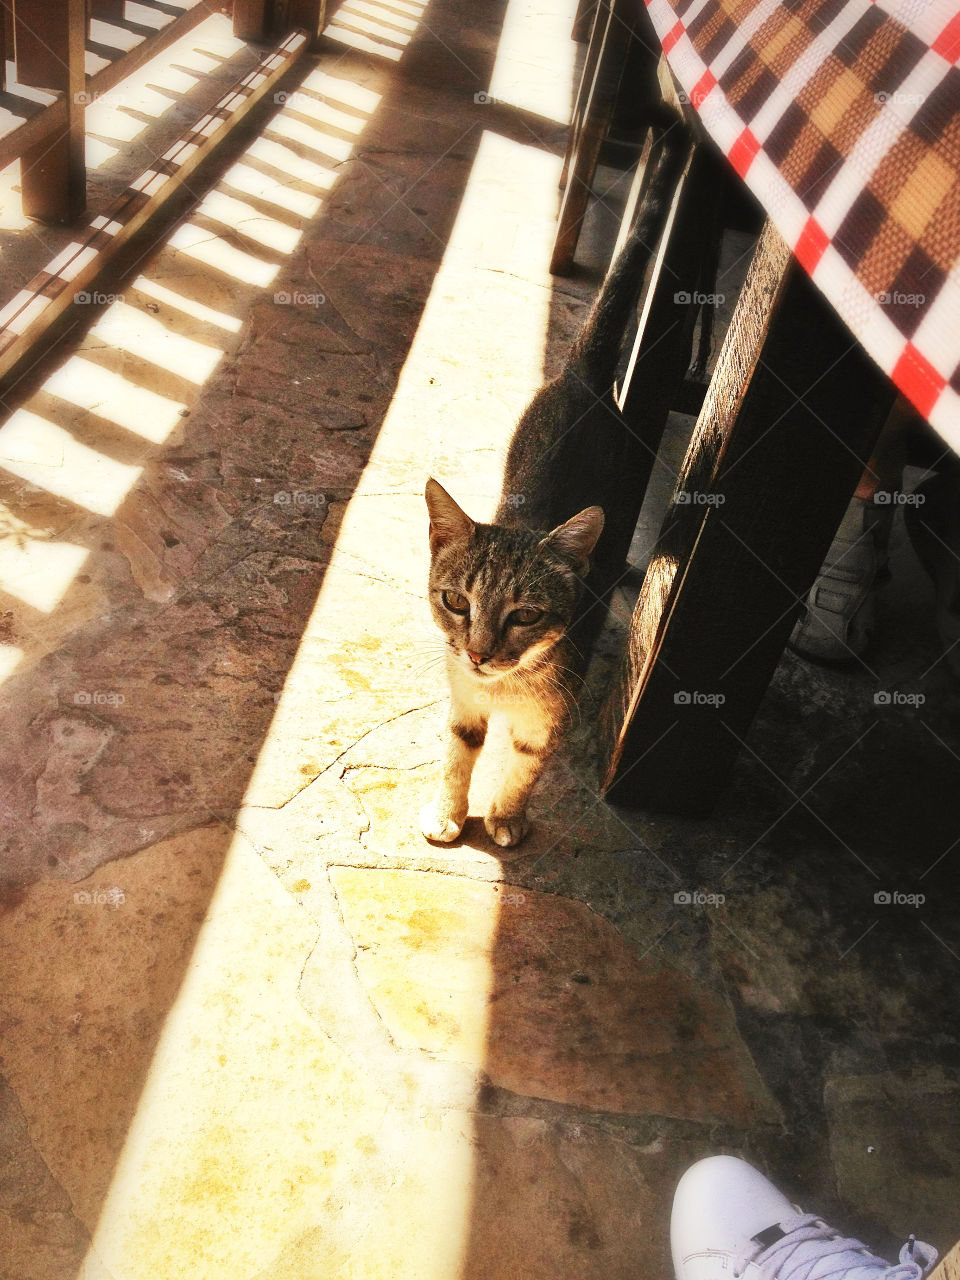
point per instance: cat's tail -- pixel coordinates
(595, 353)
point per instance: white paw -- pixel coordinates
(506, 832)
(438, 826)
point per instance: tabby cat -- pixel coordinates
(518, 600)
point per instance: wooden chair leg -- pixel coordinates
(583, 20)
(660, 355)
(592, 114)
(788, 424)
(50, 41)
(598, 20)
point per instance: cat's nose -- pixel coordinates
(477, 658)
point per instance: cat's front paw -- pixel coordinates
(439, 826)
(506, 832)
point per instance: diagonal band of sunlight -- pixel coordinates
(194, 1116)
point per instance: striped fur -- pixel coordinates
(510, 596)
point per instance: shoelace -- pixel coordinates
(811, 1250)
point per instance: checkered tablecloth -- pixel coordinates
(843, 118)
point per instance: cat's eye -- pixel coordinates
(455, 602)
(524, 617)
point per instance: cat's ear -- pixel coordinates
(575, 540)
(448, 523)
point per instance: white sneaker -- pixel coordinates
(729, 1221)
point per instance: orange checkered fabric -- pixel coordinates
(843, 117)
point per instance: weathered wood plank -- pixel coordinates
(788, 424)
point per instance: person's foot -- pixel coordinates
(839, 614)
(933, 524)
(729, 1221)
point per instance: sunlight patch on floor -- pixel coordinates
(448, 417)
(378, 29)
(39, 574)
(535, 61)
(42, 453)
(132, 358)
(101, 391)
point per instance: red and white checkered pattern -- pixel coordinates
(843, 118)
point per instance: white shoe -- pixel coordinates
(729, 1221)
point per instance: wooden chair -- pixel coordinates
(785, 430)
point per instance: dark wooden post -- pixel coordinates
(787, 426)
(260, 19)
(108, 10)
(50, 40)
(252, 19)
(6, 42)
(310, 14)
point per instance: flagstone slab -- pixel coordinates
(894, 1140)
(545, 996)
(516, 1197)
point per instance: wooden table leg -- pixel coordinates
(788, 424)
(50, 40)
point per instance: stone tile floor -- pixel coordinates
(253, 1026)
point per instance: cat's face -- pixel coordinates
(504, 597)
